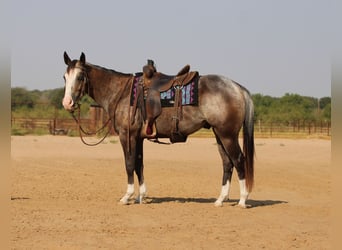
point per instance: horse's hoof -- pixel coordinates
(218, 204)
(123, 203)
(244, 206)
(140, 201)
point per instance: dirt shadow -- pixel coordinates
(19, 198)
(249, 203)
(261, 203)
(258, 203)
(155, 200)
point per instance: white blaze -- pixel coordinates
(70, 79)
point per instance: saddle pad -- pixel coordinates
(189, 95)
(136, 80)
(167, 98)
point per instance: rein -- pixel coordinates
(81, 130)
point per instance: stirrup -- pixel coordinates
(143, 133)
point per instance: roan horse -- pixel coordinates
(224, 105)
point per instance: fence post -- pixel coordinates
(309, 127)
(54, 126)
(93, 117)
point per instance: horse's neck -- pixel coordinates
(107, 87)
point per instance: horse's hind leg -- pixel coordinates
(227, 175)
(239, 163)
(234, 153)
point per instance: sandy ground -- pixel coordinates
(65, 196)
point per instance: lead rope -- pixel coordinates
(80, 129)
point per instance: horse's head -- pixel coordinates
(76, 79)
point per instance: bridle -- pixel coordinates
(78, 109)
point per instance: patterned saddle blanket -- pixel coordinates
(167, 98)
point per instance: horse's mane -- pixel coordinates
(112, 71)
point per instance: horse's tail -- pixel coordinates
(248, 141)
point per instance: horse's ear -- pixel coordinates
(82, 58)
(67, 59)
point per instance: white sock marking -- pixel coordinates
(142, 193)
(224, 194)
(128, 195)
(243, 193)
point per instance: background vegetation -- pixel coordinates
(42, 104)
(292, 107)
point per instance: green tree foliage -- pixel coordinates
(263, 106)
(55, 97)
(323, 102)
(326, 114)
(20, 97)
(291, 107)
(43, 104)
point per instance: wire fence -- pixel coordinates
(296, 128)
(55, 126)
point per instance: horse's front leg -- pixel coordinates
(133, 162)
(139, 170)
(130, 180)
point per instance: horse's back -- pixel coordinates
(222, 100)
(216, 83)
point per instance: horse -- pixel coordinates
(223, 105)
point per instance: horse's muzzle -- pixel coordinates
(68, 103)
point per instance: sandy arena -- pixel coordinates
(65, 196)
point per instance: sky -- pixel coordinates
(270, 47)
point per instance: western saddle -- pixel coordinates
(155, 82)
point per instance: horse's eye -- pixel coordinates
(80, 78)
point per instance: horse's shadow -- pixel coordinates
(19, 198)
(233, 202)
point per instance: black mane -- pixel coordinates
(112, 71)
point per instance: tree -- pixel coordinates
(55, 97)
(327, 112)
(263, 106)
(290, 108)
(21, 97)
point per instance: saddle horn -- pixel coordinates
(149, 69)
